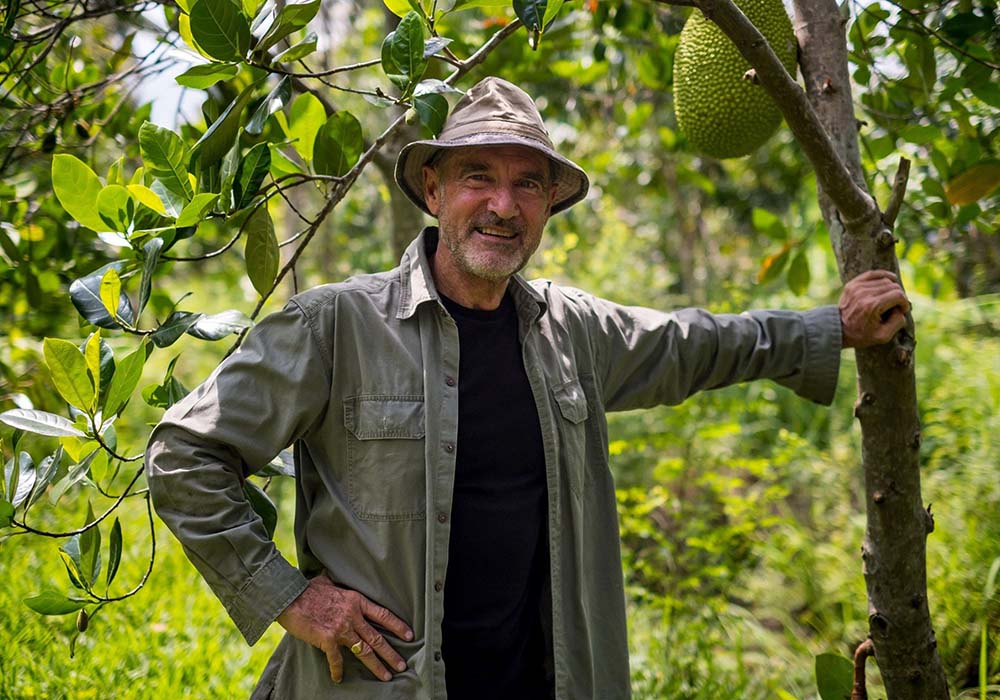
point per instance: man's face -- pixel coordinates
(491, 203)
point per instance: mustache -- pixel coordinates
(494, 221)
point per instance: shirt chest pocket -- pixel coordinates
(572, 416)
(385, 453)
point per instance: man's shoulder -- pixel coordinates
(563, 296)
(374, 287)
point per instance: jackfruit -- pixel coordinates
(722, 113)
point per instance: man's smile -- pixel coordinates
(495, 232)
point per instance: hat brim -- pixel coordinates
(571, 181)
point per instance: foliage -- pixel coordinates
(742, 552)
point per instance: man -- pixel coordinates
(455, 515)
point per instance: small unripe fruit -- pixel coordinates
(82, 620)
(411, 116)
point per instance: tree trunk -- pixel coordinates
(894, 548)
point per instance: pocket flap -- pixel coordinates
(381, 417)
(572, 401)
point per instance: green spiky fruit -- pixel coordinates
(722, 113)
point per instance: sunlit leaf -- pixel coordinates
(305, 118)
(220, 29)
(111, 290)
(218, 326)
(165, 157)
(291, 17)
(205, 76)
(76, 187)
(126, 378)
(52, 603)
(40, 423)
(69, 372)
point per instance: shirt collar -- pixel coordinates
(418, 282)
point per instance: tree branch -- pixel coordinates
(898, 193)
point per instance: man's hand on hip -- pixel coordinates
(330, 617)
(873, 309)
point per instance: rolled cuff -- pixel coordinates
(265, 596)
(822, 361)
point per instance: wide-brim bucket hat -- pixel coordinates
(493, 112)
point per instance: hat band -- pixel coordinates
(494, 126)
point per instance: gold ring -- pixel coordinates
(357, 647)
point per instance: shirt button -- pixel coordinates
(442, 517)
(437, 655)
(438, 586)
(449, 447)
(450, 381)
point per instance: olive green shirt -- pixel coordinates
(362, 378)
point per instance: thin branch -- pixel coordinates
(915, 18)
(898, 193)
(853, 203)
(318, 74)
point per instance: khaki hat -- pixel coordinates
(493, 112)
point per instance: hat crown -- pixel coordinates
(494, 105)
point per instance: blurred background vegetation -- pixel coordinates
(741, 511)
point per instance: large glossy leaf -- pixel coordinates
(40, 423)
(298, 50)
(293, 16)
(401, 7)
(69, 372)
(52, 603)
(403, 53)
(91, 350)
(207, 75)
(218, 326)
(338, 144)
(262, 506)
(220, 29)
(114, 551)
(531, 13)
(305, 118)
(125, 380)
(261, 251)
(165, 157)
(834, 677)
(275, 101)
(111, 290)
(432, 110)
(174, 327)
(219, 138)
(251, 173)
(85, 294)
(76, 187)
(116, 208)
(196, 210)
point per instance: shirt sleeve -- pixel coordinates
(259, 400)
(649, 358)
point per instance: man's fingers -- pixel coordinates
(335, 661)
(382, 647)
(366, 655)
(381, 616)
(892, 325)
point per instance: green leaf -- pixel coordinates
(769, 224)
(262, 506)
(174, 327)
(275, 101)
(71, 558)
(774, 264)
(46, 472)
(293, 16)
(219, 138)
(85, 293)
(261, 251)
(227, 175)
(974, 183)
(114, 551)
(125, 380)
(798, 273)
(76, 187)
(432, 110)
(531, 13)
(90, 549)
(834, 677)
(151, 253)
(401, 7)
(207, 75)
(76, 473)
(6, 514)
(220, 29)
(407, 47)
(165, 157)
(116, 208)
(338, 144)
(196, 210)
(218, 326)
(298, 50)
(69, 372)
(251, 173)
(920, 135)
(19, 478)
(52, 603)
(92, 355)
(169, 392)
(305, 118)
(111, 290)
(148, 198)
(40, 423)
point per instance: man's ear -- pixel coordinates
(432, 189)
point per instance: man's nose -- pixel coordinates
(503, 202)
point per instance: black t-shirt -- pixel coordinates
(497, 559)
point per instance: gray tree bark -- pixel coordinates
(894, 549)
